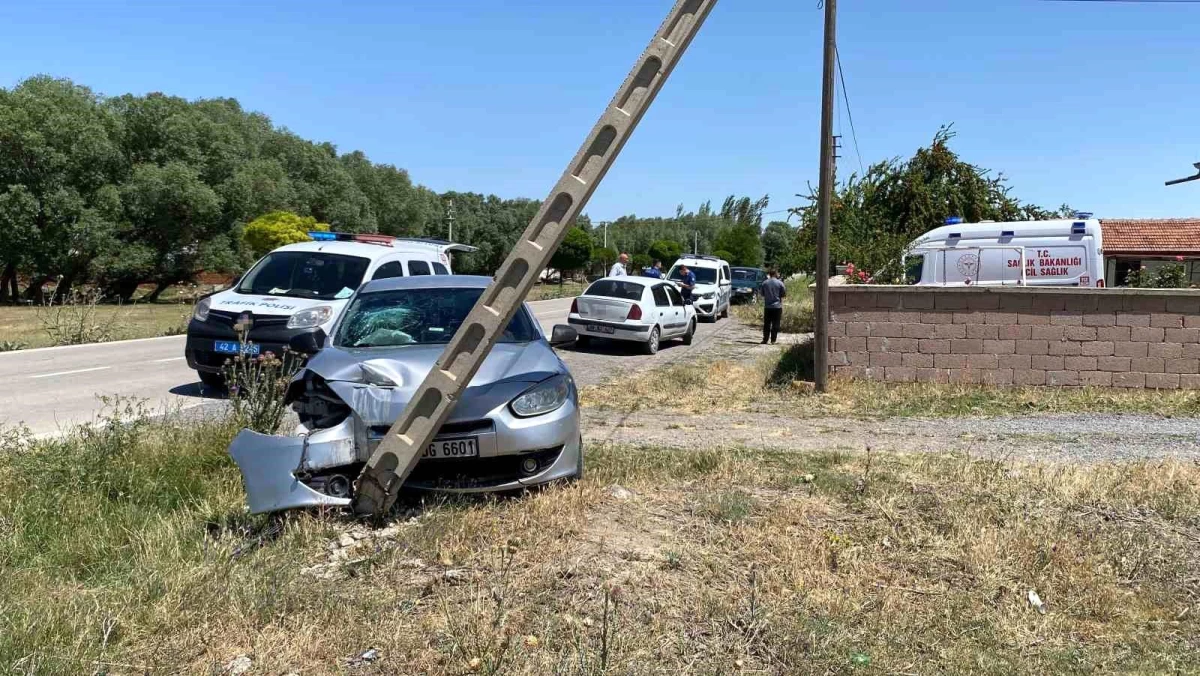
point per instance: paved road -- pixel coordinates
(51, 389)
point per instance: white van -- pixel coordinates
(1066, 252)
(714, 285)
(298, 289)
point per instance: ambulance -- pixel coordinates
(291, 295)
(1062, 252)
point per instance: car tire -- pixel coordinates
(583, 341)
(213, 380)
(691, 333)
(651, 344)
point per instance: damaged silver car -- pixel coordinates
(516, 426)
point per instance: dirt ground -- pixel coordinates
(1083, 437)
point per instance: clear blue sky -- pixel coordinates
(1092, 104)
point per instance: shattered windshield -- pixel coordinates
(418, 317)
(302, 274)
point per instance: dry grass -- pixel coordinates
(780, 382)
(20, 327)
(551, 291)
(797, 309)
(128, 551)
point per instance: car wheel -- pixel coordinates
(651, 346)
(691, 333)
(583, 341)
(213, 380)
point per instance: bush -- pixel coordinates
(1169, 276)
(257, 386)
(278, 228)
(77, 319)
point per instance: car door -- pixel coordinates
(725, 290)
(663, 311)
(681, 309)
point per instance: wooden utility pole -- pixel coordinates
(824, 200)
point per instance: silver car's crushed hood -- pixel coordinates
(377, 383)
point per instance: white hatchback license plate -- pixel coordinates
(597, 328)
(467, 447)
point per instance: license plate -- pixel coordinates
(233, 347)
(598, 328)
(467, 447)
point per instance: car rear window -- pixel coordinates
(614, 288)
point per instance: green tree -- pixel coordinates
(876, 216)
(603, 257)
(278, 228)
(172, 212)
(726, 256)
(574, 252)
(666, 250)
(776, 245)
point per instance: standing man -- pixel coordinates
(687, 282)
(654, 271)
(773, 292)
(618, 268)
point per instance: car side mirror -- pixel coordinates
(562, 334)
(308, 343)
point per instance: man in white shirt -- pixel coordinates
(618, 268)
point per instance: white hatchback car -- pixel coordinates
(640, 309)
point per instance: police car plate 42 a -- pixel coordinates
(234, 347)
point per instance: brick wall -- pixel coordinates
(1017, 336)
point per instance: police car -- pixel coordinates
(297, 289)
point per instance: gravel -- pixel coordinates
(1085, 438)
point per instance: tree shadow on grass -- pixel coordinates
(795, 363)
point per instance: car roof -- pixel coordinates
(745, 267)
(700, 262)
(427, 282)
(361, 249)
(644, 281)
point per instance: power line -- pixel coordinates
(849, 115)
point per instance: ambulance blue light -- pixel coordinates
(318, 236)
(1083, 215)
(954, 220)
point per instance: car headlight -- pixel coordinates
(200, 313)
(313, 316)
(708, 295)
(543, 398)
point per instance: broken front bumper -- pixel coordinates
(269, 465)
(275, 468)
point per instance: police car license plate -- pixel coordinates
(465, 447)
(598, 328)
(233, 347)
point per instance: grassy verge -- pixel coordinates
(552, 291)
(21, 327)
(797, 309)
(778, 382)
(127, 550)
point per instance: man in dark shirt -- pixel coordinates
(654, 271)
(687, 282)
(773, 292)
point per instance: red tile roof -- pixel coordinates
(1152, 236)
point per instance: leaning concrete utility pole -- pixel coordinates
(824, 199)
(394, 458)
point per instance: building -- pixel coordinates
(1132, 243)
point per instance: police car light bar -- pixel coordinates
(954, 220)
(319, 236)
(365, 238)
